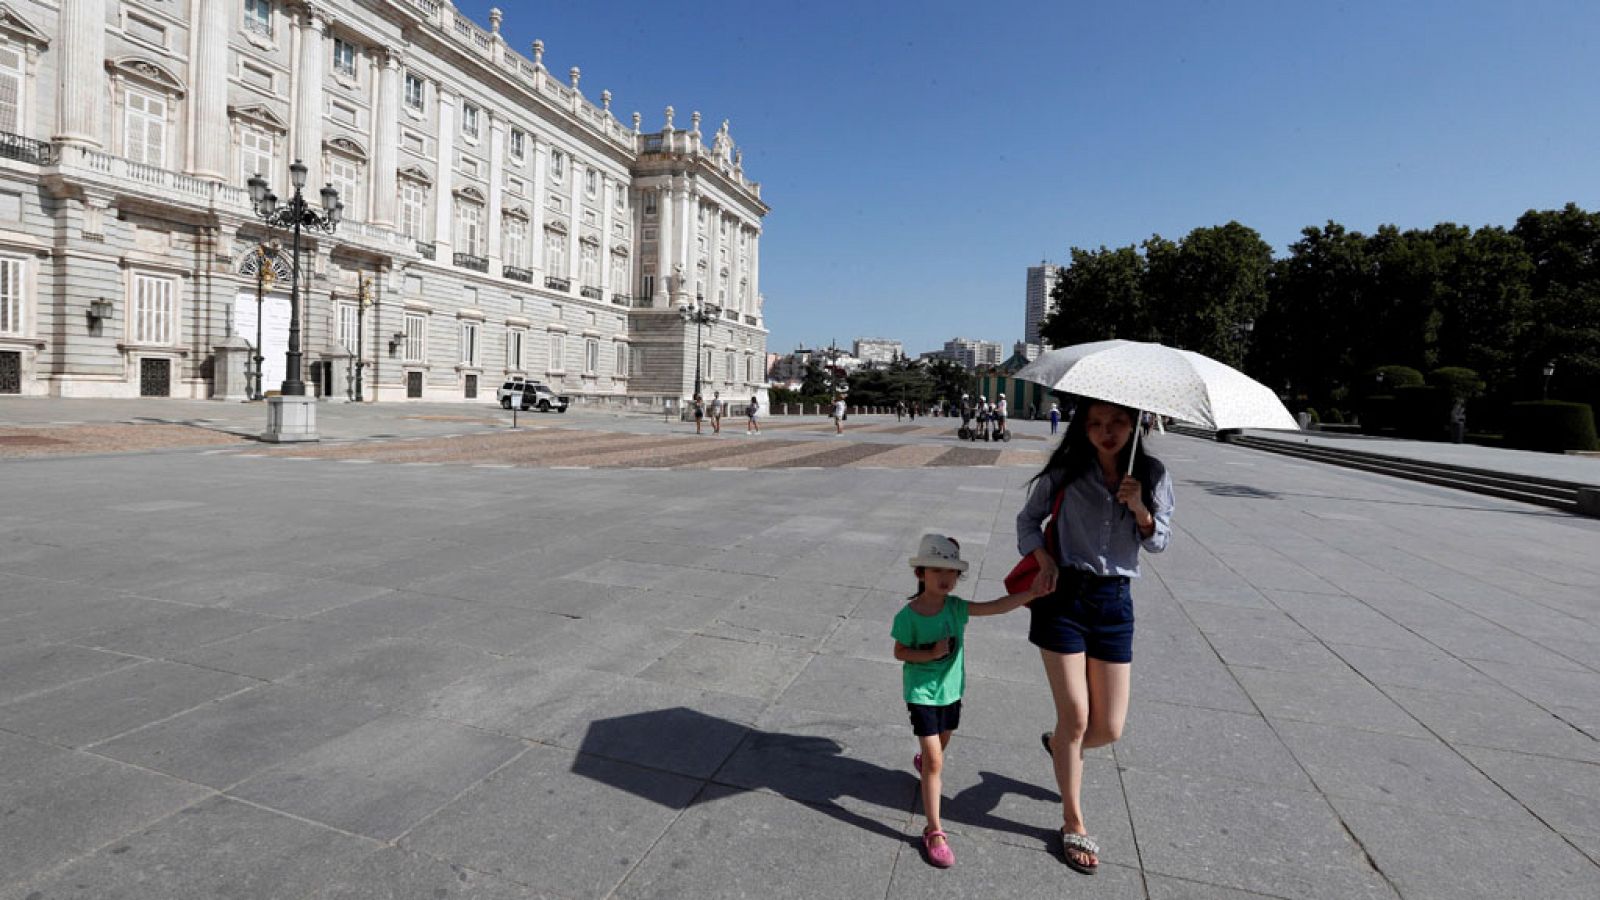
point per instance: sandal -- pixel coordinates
(941, 856)
(1079, 843)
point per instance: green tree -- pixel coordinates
(1311, 335)
(1563, 319)
(1099, 296)
(1203, 291)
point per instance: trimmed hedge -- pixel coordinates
(1551, 425)
(1457, 381)
(1377, 414)
(1422, 412)
(1393, 377)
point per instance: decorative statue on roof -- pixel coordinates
(722, 144)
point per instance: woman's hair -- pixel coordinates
(1076, 453)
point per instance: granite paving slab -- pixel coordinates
(30, 668)
(1499, 722)
(728, 666)
(279, 651)
(1328, 698)
(395, 874)
(1564, 794)
(1165, 887)
(107, 705)
(1173, 738)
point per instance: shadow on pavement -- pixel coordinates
(805, 768)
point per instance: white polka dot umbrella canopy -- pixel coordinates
(1182, 384)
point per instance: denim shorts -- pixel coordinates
(931, 720)
(1089, 614)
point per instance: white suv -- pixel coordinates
(534, 396)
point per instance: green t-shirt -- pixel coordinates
(941, 682)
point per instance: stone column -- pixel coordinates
(385, 141)
(606, 203)
(685, 207)
(664, 286)
(497, 177)
(208, 117)
(755, 273)
(307, 132)
(81, 72)
(541, 176)
(444, 196)
(713, 253)
(734, 271)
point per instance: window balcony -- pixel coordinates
(468, 261)
(17, 147)
(557, 284)
(643, 302)
(592, 293)
(622, 299)
(427, 250)
(516, 274)
(751, 320)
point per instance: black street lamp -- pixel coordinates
(1549, 370)
(363, 297)
(266, 255)
(297, 215)
(700, 315)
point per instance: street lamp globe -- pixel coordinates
(297, 175)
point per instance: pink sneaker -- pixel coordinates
(939, 855)
(916, 763)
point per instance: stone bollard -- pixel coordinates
(1589, 501)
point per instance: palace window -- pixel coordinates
(619, 272)
(152, 301)
(514, 341)
(750, 370)
(416, 338)
(11, 117)
(255, 154)
(469, 343)
(558, 353)
(345, 176)
(144, 136)
(555, 253)
(258, 16)
(413, 209)
(519, 142)
(11, 308)
(591, 182)
(649, 203)
(621, 370)
(647, 286)
(344, 57)
(558, 166)
(591, 356)
(348, 326)
(590, 264)
(469, 120)
(732, 370)
(470, 235)
(516, 239)
(416, 91)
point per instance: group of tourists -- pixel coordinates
(982, 420)
(718, 408)
(1097, 502)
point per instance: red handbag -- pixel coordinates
(1021, 576)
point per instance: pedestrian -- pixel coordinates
(1055, 417)
(900, 410)
(838, 413)
(751, 426)
(999, 416)
(716, 412)
(927, 634)
(1083, 627)
(699, 412)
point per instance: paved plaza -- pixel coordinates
(434, 658)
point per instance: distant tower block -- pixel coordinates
(1041, 282)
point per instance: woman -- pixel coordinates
(1084, 626)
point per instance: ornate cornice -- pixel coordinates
(147, 71)
(345, 146)
(259, 115)
(18, 27)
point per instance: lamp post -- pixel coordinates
(1549, 371)
(295, 215)
(700, 315)
(266, 254)
(363, 297)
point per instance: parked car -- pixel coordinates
(534, 396)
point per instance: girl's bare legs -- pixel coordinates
(932, 780)
(1069, 687)
(1108, 702)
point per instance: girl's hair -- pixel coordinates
(1076, 453)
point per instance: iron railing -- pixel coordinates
(557, 284)
(622, 299)
(468, 261)
(427, 249)
(592, 293)
(17, 147)
(516, 274)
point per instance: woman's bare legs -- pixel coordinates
(1091, 699)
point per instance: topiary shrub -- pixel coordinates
(1422, 412)
(1334, 417)
(1458, 382)
(1551, 425)
(1378, 414)
(1393, 377)
(1311, 413)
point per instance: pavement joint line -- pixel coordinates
(357, 462)
(568, 468)
(493, 466)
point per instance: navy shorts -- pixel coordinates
(1089, 614)
(927, 721)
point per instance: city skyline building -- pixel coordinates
(877, 351)
(972, 353)
(1042, 281)
(497, 221)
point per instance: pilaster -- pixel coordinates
(444, 232)
(385, 141)
(208, 118)
(81, 76)
(665, 289)
(574, 217)
(541, 176)
(308, 93)
(497, 166)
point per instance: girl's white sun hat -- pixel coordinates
(939, 552)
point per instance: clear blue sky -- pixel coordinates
(918, 156)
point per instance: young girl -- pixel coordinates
(1084, 627)
(927, 638)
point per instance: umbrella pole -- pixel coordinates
(1137, 416)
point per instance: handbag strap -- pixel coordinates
(1050, 539)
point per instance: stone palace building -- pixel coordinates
(495, 222)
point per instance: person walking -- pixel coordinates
(999, 416)
(1055, 417)
(838, 413)
(1103, 516)
(927, 634)
(899, 410)
(699, 412)
(717, 406)
(751, 413)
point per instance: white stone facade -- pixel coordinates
(497, 222)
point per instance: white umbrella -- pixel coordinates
(1187, 386)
